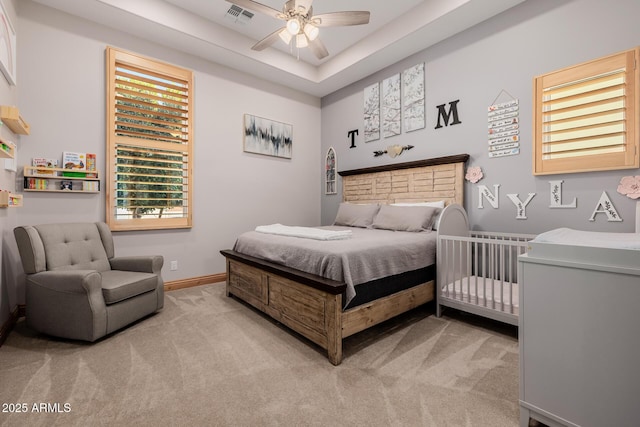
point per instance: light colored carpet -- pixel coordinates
(211, 360)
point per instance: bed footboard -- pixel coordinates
(312, 305)
(308, 304)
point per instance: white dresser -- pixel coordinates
(579, 333)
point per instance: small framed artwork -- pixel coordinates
(7, 47)
(330, 170)
(268, 137)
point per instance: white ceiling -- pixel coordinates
(396, 30)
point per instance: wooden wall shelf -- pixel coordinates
(7, 149)
(11, 117)
(9, 200)
(39, 178)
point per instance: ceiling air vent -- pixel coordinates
(238, 15)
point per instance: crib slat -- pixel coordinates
(476, 272)
(502, 270)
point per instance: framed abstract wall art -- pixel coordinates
(268, 137)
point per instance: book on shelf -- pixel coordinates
(90, 186)
(45, 163)
(37, 184)
(75, 162)
(91, 165)
(66, 185)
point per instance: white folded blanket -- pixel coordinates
(304, 232)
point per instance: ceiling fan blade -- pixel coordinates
(318, 48)
(258, 7)
(269, 40)
(338, 19)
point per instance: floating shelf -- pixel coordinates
(40, 178)
(9, 200)
(7, 149)
(12, 118)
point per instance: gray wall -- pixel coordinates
(505, 52)
(61, 93)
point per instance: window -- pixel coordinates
(149, 143)
(585, 116)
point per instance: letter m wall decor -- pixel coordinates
(450, 115)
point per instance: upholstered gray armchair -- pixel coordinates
(76, 288)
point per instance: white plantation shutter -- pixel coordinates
(149, 143)
(585, 117)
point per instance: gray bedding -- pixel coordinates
(369, 254)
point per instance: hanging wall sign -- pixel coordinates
(504, 128)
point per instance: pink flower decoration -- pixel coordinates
(630, 186)
(474, 174)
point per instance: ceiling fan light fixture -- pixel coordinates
(311, 31)
(301, 41)
(285, 36)
(293, 26)
(301, 24)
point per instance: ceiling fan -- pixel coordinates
(301, 25)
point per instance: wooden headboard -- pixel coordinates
(440, 178)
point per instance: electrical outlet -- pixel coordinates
(174, 265)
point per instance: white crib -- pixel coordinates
(478, 272)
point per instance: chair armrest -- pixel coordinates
(144, 264)
(68, 281)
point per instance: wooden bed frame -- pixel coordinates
(312, 305)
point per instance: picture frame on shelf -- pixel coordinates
(8, 48)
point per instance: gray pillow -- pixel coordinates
(354, 215)
(405, 218)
